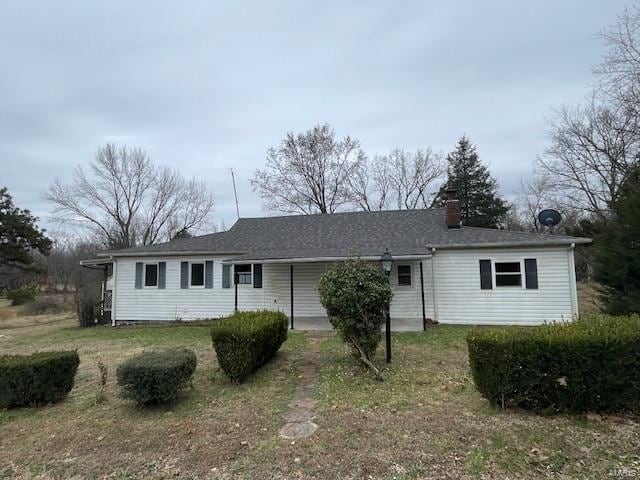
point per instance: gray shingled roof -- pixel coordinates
(403, 232)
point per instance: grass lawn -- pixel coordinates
(424, 421)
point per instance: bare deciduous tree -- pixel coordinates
(63, 263)
(126, 200)
(413, 177)
(619, 72)
(592, 148)
(309, 172)
(369, 186)
(536, 194)
(400, 180)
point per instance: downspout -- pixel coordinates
(433, 285)
(572, 280)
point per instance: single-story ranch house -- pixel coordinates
(442, 271)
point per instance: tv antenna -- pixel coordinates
(549, 218)
(235, 193)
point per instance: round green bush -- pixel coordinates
(588, 365)
(356, 295)
(245, 341)
(156, 377)
(39, 378)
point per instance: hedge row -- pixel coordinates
(588, 365)
(39, 378)
(247, 340)
(156, 377)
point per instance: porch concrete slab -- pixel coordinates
(321, 324)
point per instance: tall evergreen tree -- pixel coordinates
(19, 234)
(617, 266)
(476, 189)
(20, 238)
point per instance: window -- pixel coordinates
(151, 275)
(404, 275)
(244, 274)
(508, 274)
(197, 274)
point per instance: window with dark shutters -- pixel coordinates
(257, 275)
(508, 274)
(486, 280)
(531, 273)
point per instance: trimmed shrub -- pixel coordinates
(589, 365)
(356, 295)
(39, 378)
(245, 341)
(21, 295)
(156, 377)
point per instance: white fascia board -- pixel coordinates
(324, 259)
(549, 243)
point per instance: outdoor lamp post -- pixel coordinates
(386, 261)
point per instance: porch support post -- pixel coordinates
(104, 282)
(235, 286)
(104, 294)
(114, 270)
(424, 312)
(291, 293)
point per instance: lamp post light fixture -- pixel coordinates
(386, 262)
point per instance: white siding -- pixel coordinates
(174, 303)
(458, 296)
(460, 299)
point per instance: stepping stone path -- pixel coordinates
(300, 418)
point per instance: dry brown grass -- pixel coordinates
(424, 421)
(588, 301)
(200, 435)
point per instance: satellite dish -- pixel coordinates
(549, 217)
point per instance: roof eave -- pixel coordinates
(96, 261)
(240, 261)
(165, 253)
(524, 243)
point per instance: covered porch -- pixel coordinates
(290, 286)
(106, 285)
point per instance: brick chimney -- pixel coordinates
(453, 216)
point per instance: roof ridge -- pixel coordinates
(517, 232)
(356, 212)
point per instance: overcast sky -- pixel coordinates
(205, 86)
